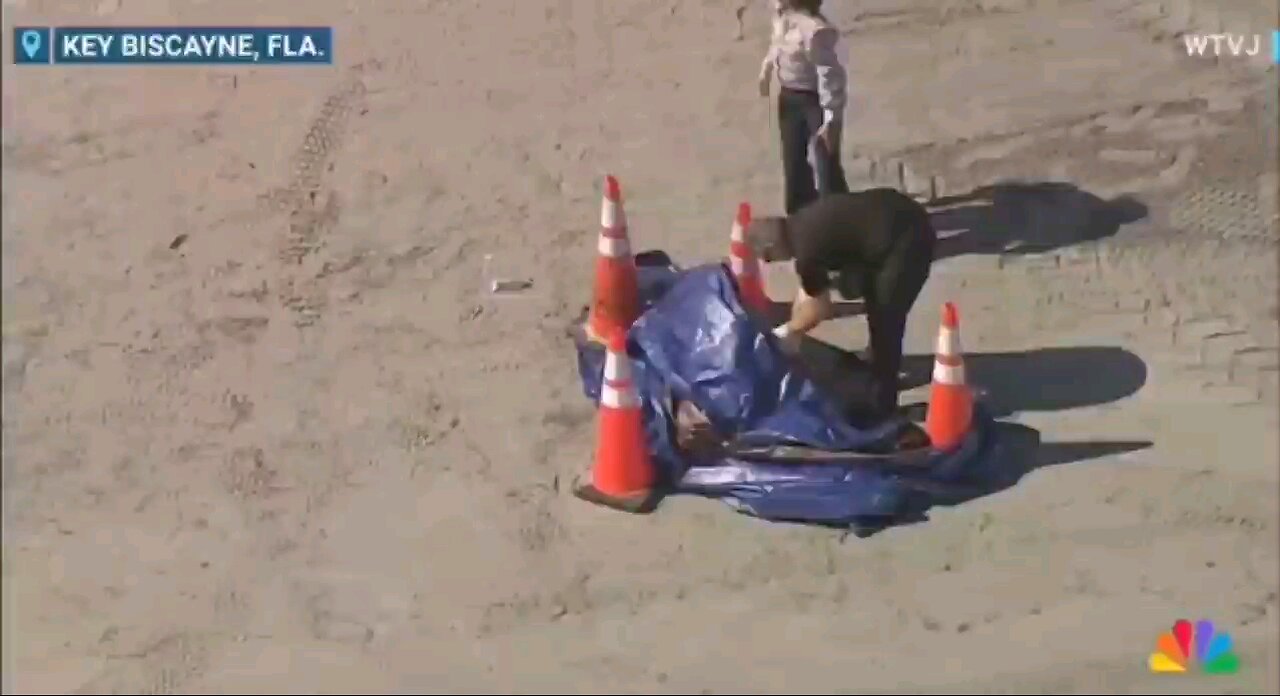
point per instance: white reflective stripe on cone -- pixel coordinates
(948, 342)
(613, 247)
(611, 215)
(948, 374)
(736, 235)
(616, 370)
(619, 398)
(738, 265)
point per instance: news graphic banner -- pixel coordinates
(172, 45)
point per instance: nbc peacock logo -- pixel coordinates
(1201, 645)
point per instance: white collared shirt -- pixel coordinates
(804, 54)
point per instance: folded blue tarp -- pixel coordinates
(695, 342)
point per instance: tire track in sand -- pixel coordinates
(311, 206)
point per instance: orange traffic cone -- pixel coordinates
(615, 302)
(950, 400)
(623, 476)
(745, 265)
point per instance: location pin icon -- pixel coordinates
(31, 43)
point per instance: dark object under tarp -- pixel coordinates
(694, 342)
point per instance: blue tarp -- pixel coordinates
(695, 342)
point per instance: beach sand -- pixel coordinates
(267, 431)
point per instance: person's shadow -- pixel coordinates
(1044, 379)
(1027, 218)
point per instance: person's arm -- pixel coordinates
(770, 57)
(809, 311)
(813, 302)
(824, 51)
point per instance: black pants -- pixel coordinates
(889, 292)
(799, 117)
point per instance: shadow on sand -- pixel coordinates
(1027, 218)
(1020, 452)
(1045, 379)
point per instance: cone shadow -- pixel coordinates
(1020, 452)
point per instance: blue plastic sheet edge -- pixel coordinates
(694, 341)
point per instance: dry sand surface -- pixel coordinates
(264, 430)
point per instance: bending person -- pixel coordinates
(878, 241)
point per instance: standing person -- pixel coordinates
(879, 241)
(804, 53)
